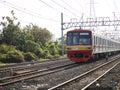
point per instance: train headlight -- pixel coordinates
(72, 48)
(89, 48)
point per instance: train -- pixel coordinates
(83, 45)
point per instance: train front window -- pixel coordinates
(78, 38)
(84, 38)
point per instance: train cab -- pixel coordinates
(79, 45)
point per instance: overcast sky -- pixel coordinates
(46, 13)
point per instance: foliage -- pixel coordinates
(3, 57)
(39, 52)
(40, 34)
(14, 57)
(53, 49)
(10, 54)
(46, 54)
(4, 48)
(30, 56)
(31, 46)
(35, 42)
(11, 31)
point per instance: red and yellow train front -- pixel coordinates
(79, 45)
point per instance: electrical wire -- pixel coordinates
(57, 9)
(23, 10)
(71, 8)
(94, 9)
(49, 6)
(82, 6)
(60, 6)
(116, 7)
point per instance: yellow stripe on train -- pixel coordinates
(79, 47)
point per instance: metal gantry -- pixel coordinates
(89, 22)
(92, 22)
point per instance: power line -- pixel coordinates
(71, 8)
(49, 6)
(52, 7)
(82, 6)
(94, 9)
(23, 10)
(60, 6)
(116, 7)
(55, 8)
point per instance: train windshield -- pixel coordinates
(78, 38)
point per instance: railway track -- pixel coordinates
(34, 73)
(85, 80)
(21, 65)
(9, 71)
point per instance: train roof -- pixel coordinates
(94, 34)
(103, 37)
(77, 30)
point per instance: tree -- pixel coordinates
(11, 32)
(31, 46)
(40, 34)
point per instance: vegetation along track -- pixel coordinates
(33, 74)
(86, 79)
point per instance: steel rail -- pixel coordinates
(87, 86)
(58, 87)
(27, 66)
(38, 73)
(20, 65)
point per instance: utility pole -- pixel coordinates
(62, 34)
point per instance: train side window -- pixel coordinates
(97, 41)
(105, 42)
(101, 41)
(69, 39)
(94, 40)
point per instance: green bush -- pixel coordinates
(56, 56)
(3, 57)
(39, 52)
(31, 46)
(14, 56)
(5, 48)
(49, 56)
(46, 54)
(30, 56)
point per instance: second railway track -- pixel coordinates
(86, 79)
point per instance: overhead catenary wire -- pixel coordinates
(77, 1)
(60, 6)
(23, 10)
(74, 14)
(116, 7)
(73, 9)
(70, 6)
(94, 9)
(53, 8)
(64, 7)
(49, 6)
